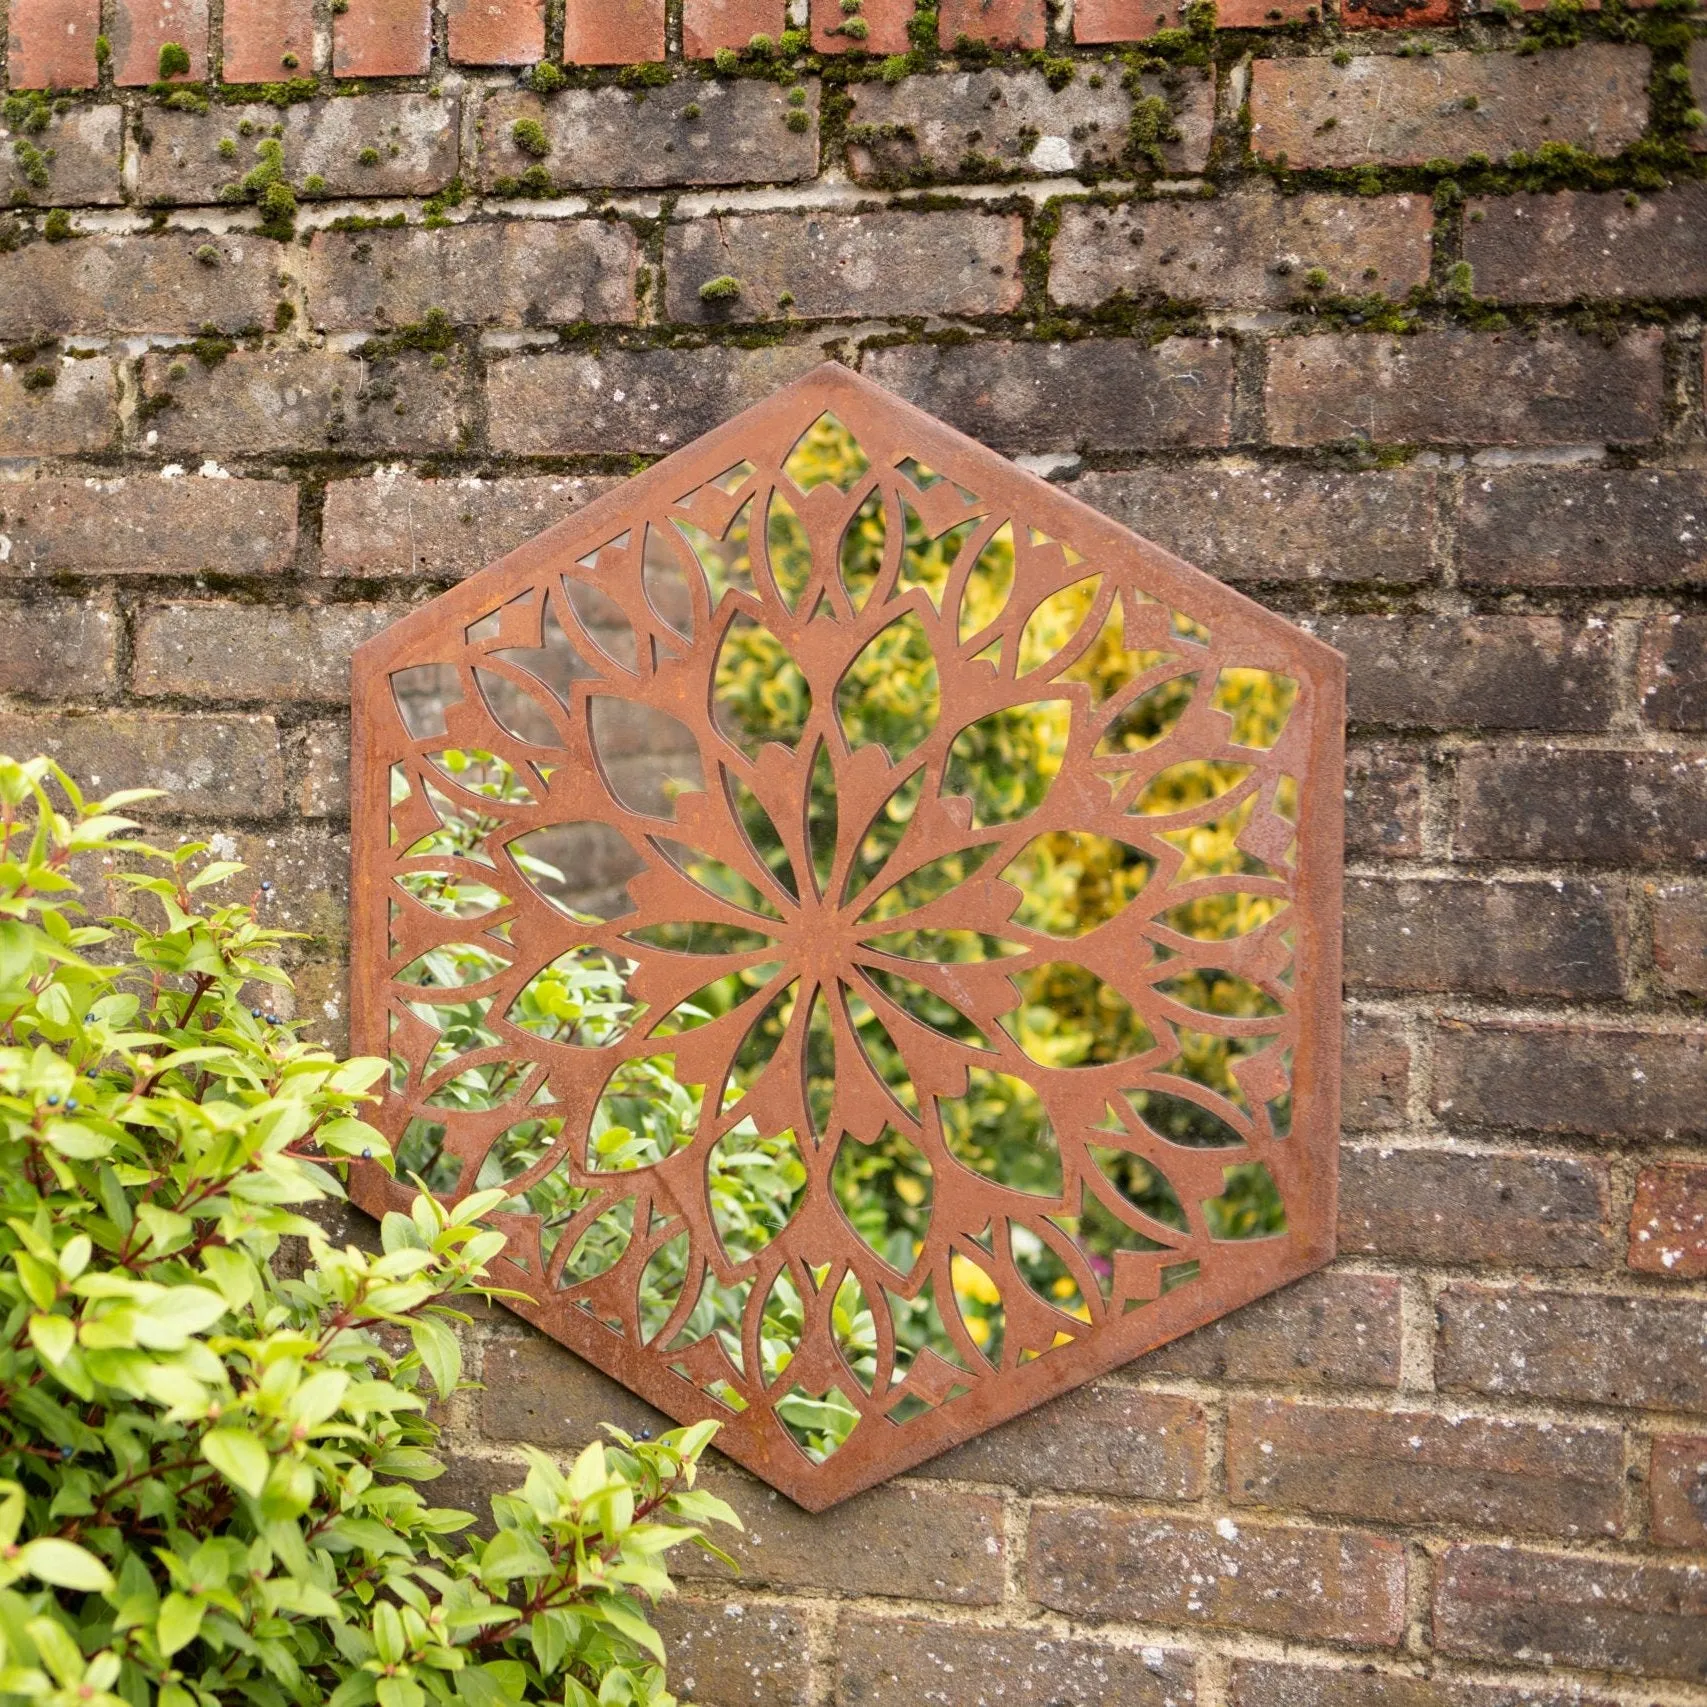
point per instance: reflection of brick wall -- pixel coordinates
(1443, 405)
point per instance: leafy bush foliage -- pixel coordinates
(208, 1473)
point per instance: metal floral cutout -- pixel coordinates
(876, 918)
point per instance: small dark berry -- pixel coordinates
(53, 1102)
(367, 1153)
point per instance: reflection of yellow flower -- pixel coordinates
(970, 1281)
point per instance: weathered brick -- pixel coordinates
(141, 28)
(1101, 1565)
(1590, 1349)
(1490, 672)
(265, 40)
(77, 412)
(615, 34)
(1453, 387)
(1505, 938)
(1415, 1468)
(1677, 1488)
(556, 403)
(1668, 1222)
(1574, 245)
(1548, 1609)
(1698, 85)
(1326, 1330)
(1375, 1081)
(205, 764)
(1097, 21)
(1679, 913)
(302, 399)
(308, 866)
(1570, 1079)
(138, 284)
(212, 649)
(517, 273)
(382, 38)
(944, 125)
(1100, 1439)
(739, 133)
(1280, 1683)
(1672, 672)
(180, 160)
(894, 1662)
(1250, 249)
(908, 1540)
(1384, 803)
(1104, 394)
(1000, 23)
(1279, 523)
(57, 648)
(885, 21)
(1583, 527)
(708, 25)
(146, 525)
(321, 764)
(1402, 112)
(1460, 1206)
(50, 44)
(736, 1653)
(396, 524)
(542, 1393)
(1538, 803)
(86, 145)
(1264, 14)
(873, 264)
(497, 32)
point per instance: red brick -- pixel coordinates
(1103, 1564)
(1330, 1329)
(1588, 1349)
(1396, 14)
(736, 1653)
(1122, 20)
(708, 25)
(78, 412)
(1570, 1079)
(1679, 914)
(147, 525)
(1264, 14)
(1677, 1489)
(1281, 1683)
(613, 32)
(1402, 112)
(382, 38)
(1548, 1609)
(1385, 789)
(881, 264)
(142, 27)
(1101, 1439)
(1583, 527)
(1411, 1467)
(1460, 1206)
(1279, 523)
(50, 44)
(1508, 938)
(1497, 388)
(57, 648)
(893, 1662)
(1668, 1222)
(885, 27)
(1626, 808)
(1000, 23)
(1672, 672)
(1376, 1074)
(260, 36)
(396, 524)
(1250, 249)
(497, 32)
(1113, 394)
(1574, 245)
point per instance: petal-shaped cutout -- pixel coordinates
(886, 1061)
(927, 559)
(727, 561)
(820, 1064)
(581, 998)
(644, 1114)
(661, 1283)
(788, 550)
(928, 1008)
(818, 1423)
(762, 834)
(1184, 787)
(926, 883)
(763, 1038)
(664, 576)
(1044, 1272)
(822, 819)
(715, 999)
(1212, 849)
(1208, 990)
(454, 894)
(1259, 703)
(711, 874)
(979, 1301)
(864, 541)
(603, 621)
(477, 771)
(421, 1150)
(463, 1030)
(1055, 623)
(1070, 1017)
(1107, 1241)
(1143, 1185)
(700, 937)
(760, 693)
(912, 469)
(453, 965)
(1182, 1121)
(756, 1186)
(456, 830)
(1072, 881)
(646, 756)
(600, 1246)
(883, 834)
(782, 1323)
(890, 694)
(718, 1311)
(989, 583)
(581, 867)
(826, 451)
(423, 694)
(1143, 722)
(1249, 1208)
(1133, 640)
(943, 947)
(1000, 1130)
(517, 711)
(884, 1190)
(853, 1331)
(1221, 918)
(520, 1147)
(1005, 762)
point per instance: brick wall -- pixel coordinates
(1391, 317)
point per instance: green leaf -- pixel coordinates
(587, 1476)
(240, 1458)
(179, 1622)
(53, 1336)
(440, 1351)
(170, 1319)
(65, 1565)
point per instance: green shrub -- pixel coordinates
(207, 1471)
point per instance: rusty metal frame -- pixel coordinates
(821, 940)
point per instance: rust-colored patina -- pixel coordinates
(834, 950)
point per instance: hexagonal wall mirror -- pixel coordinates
(876, 917)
